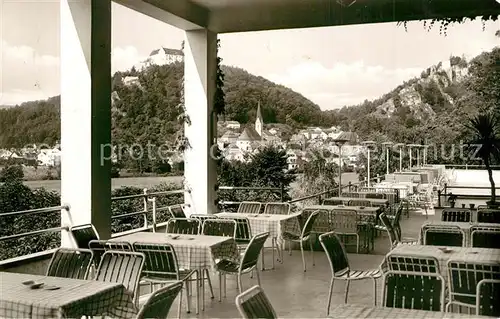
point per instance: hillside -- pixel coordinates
(146, 106)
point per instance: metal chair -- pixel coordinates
(99, 247)
(184, 226)
(488, 295)
(463, 278)
(70, 263)
(161, 267)
(243, 230)
(412, 263)
(485, 238)
(375, 195)
(203, 217)
(254, 304)
(246, 263)
(159, 302)
(277, 208)
(359, 202)
(413, 290)
(122, 267)
(339, 265)
(345, 223)
(249, 208)
(304, 236)
(83, 234)
(456, 215)
(219, 227)
(387, 226)
(488, 216)
(177, 211)
(333, 202)
(439, 235)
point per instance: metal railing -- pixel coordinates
(445, 193)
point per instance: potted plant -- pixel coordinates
(485, 129)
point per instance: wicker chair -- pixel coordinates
(249, 208)
(277, 208)
(488, 295)
(122, 267)
(161, 267)
(464, 278)
(159, 302)
(413, 290)
(340, 267)
(83, 234)
(177, 211)
(183, 226)
(246, 263)
(254, 304)
(304, 236)
(70, 263)
(439, 235)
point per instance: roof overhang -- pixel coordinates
(224, 16)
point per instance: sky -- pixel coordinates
(332, 66)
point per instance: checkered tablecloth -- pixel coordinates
(74, 298)
(486, 255)
(365, 215)
(193, 251)
(358, 311)
(466, 227)
(274, 224)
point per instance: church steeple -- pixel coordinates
(259, 121)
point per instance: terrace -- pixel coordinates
(86, 128)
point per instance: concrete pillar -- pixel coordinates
(200, 170)
(86, 114)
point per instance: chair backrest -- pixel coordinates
(333, 202)
(308, 226)
(488, 295)
(456, 215)
(464, 277)
(249, 208)
(482, 207)
(335, 252)
(219, 227)
(160, 260)
(159, 302)
(176, 211)
(412, 263)
(99, 247)
(351, 194)
(277, 208)
(486, 238)
(343, 221)
(375, 195)
(390, 230)
(254, 304)
(70, 263)
(122, 267)
(488, 216)
(359, 202)
(243, 229)
(185, 226)
(439, 235)
(252, 252)
(396, 225)
(83, 234)
(413, 290)
(202, 217)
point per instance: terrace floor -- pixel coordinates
(298, 294)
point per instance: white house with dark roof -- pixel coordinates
(162, 56)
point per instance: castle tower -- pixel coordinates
(259, 121)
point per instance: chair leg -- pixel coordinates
(289, 248)
(257, 274)
(180, 305)
(240, 284)
(330, 296)
(347, 290)
(374, 292)
(220, 287)
(225, 285)
(210, 284)
(302, 253)
(312, 251)
(357, 244)
(188, 296)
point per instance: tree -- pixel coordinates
(484, 128)
(219, 97)
(12, 173)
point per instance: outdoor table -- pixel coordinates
(466, 227)
(365, 214)
(359, 311)
(374, 201)
(275, 224)
(465, 254)
(194, 252)
(74, 298)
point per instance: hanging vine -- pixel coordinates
(444, 23)
(219, 96)
(181, 141)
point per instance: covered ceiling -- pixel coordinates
(223, 16)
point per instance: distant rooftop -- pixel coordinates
(167, 51)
